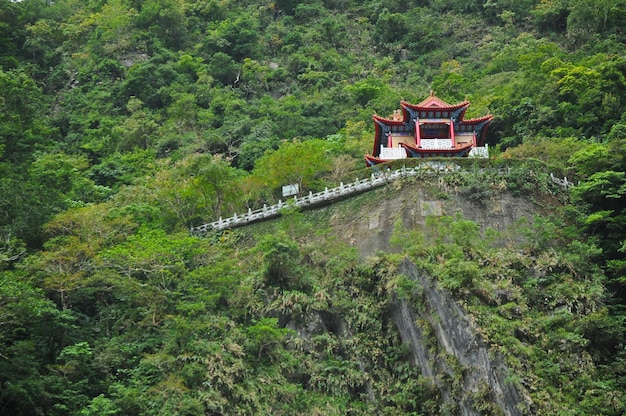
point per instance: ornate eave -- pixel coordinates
(388, 121)
(434, 103)
(478, 120)
(480, 126)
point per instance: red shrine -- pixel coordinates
(432, 128)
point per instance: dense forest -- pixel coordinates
(125, 123)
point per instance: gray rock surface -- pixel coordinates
(453, 338)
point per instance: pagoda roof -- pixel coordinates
(389, 121)
(478, 120)
(458, 149)
(435, 103)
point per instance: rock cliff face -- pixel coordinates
(451, 353)
(370, 228)
(443, 340)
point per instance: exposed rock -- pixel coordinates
(453, 348)
(443, 340)
(412, 203)
(131, 58)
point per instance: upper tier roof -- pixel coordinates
(434, 102)
(389, 121)
(478, 120)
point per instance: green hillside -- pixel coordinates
(123, 124)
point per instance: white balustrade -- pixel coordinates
(436, 143)
(312, 199)
(392, 153)
(480, 152)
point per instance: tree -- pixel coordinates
(605, 191)
(214, 182)
(262, 137)
(264, 336)
(9, 30)
(155, 264)
(602, 195)
(223, 68)
(22, 126)
(281, 262)
(138, 130)
(295, 162)
(551, 15)
(590, 18)
(62, 268)
(238, 38)
(113, 33)
(151, 81)
(198, 187)
(164, 20)
(119, 169)
(367, 90)
(29, 334)
(390, 27)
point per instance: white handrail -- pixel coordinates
(356, 187)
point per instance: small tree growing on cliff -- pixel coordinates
(281, 262)
(294, 162)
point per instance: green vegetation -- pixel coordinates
(124, 123)
(538, 304)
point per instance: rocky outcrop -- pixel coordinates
(448, 349)
(370, 229)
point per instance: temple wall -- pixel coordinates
(397, 139)
(462, 138)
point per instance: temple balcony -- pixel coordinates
(436, 144)
(389, 153)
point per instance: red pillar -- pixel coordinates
(452, 140)
(418, 137)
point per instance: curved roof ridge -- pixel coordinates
(387, 120)
(434, 103)
(478, 119)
